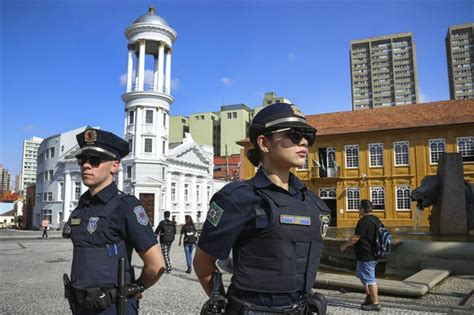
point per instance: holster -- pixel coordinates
(317, 304)
(69, 293)
(217, 302)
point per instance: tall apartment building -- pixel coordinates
(29, 162)
(460, 56)
(220, 129)
(5, 178)
(383, 71)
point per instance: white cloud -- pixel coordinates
(123, 79)
(422, 97)
(291, 57)
(227, 81)
(175, 84)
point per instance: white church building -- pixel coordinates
(177, 177)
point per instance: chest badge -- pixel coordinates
(295, 219)
(142, 218)
(92, 225)
(325, 219)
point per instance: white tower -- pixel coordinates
(147, 104)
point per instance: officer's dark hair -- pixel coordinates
(167, 214)
(255, 154)
(366, 205)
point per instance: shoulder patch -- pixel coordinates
(214, 214)
(140, 212)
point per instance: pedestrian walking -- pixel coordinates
(272, 223)
(45, 227)
(188, 231)
(166, 231)
(363, 241)
(104, 228)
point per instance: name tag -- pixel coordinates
(295, 219)
(75, 221)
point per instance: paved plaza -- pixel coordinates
(31, 272)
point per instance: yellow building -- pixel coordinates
(382, 155)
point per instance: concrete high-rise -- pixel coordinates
(29, 162)
(383, 71)
(4, 180)
(460, 56)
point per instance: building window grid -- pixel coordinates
(186, 192)
(129, 171)
(77, 190)
(377, 196)
(173, 192)
(327, 193)
(403, 197)
(148, 145)
(352, 156)
(198, 193)
(400, 149)
(149, 116)
(437, 149)
(352, 199)
(305, 166)
(376, 154)
(466, 148)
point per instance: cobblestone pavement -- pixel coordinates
(31, 283)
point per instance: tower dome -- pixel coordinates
(151, 18)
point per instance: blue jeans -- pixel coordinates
(188, 250)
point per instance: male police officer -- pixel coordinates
(106, 226)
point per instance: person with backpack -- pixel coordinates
(188, 230)
(364, 242)
(166, 230)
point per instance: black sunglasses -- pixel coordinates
(92, 159)
(295, 135)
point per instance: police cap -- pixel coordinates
(277, 116)
(102, 143)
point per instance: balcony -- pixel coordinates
(323, 172)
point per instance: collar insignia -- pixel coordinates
(90, 136)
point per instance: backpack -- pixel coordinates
(168, 231)
(190, 235)
(383, 241)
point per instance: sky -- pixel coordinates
(63, 61)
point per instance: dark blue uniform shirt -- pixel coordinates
(123, 222)
(235, 220)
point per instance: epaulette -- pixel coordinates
(128, 199)
(231, 187)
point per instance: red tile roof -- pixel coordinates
(450, 112)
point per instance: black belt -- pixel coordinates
(237, 306)
(95, 297)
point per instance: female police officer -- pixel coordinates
(272, 222)
(107, 225)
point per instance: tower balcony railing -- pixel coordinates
(147, 87)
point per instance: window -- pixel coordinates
(305, 166)
(229, 115)
(60, 191)
(129, 171)
(466, 148)
(208, 193)
(130, 145)
(436, 150)
(173, 192)
(198, 193)
(164, 119)
(50, 196)
(149, 116)
(400, 149)
(51, 154)
(352, 199)
(148, 145)
(352, 156)
(45, 196)
(376, 154)
(403, 197)
(48, 175)
(163, 173)
(327, 193)
(131, 117)
(234, 114)
(77, 190)
(377, 196)
(186, 192)
(164, 147)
